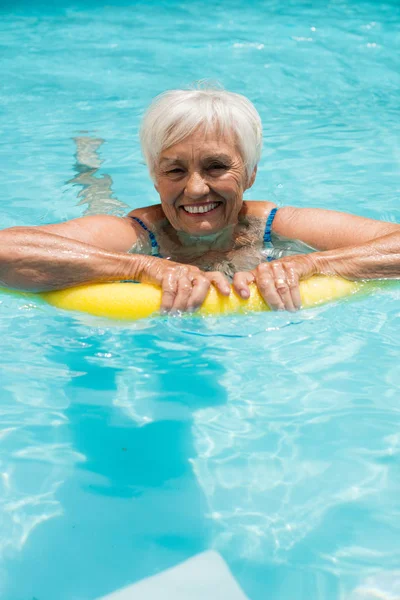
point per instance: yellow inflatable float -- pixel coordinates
(131, 301)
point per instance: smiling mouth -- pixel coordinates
(200, 209)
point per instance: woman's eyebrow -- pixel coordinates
(171, 159)
(207, 158)
(220, 156)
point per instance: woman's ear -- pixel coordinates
(252, 178)
(155, 186)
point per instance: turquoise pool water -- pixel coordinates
(273, 439)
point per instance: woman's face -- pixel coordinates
(201, 181)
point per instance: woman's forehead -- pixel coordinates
(202, 145)
(203, 156)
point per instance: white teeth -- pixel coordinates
(205, 208)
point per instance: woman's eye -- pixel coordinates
(174, 171)
(217, 167)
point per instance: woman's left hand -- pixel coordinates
(277, 281)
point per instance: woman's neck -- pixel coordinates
(221, 240)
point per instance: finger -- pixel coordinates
(267, 289)
(169, 291)
(241, 283)
(282, 286)
(266, 286)
(199, 291)
(293, 283)
(220, 282)
(184, 290)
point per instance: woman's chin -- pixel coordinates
(203, 223)
(203, 227)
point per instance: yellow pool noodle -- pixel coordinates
(131, 301)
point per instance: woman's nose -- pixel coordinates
(196, 187)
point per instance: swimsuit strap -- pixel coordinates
(155, 250)
(268, 231)
(268, 226)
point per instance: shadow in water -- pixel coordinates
(96, 191)
(133, 507)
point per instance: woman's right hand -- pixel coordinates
(184, 287)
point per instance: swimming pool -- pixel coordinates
(272, 439)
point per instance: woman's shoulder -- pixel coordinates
(151, 215)
(258, 208)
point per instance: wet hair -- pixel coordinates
(176, 114)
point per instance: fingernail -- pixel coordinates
(244, 294)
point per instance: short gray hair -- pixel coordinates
(176, 114)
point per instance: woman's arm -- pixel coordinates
(67, 254)
(329, 229)
(349, 246)
(94, 249)
(376, 259)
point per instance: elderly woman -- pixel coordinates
(202, 148)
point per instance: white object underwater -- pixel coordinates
(203, 577)
(381, 586)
